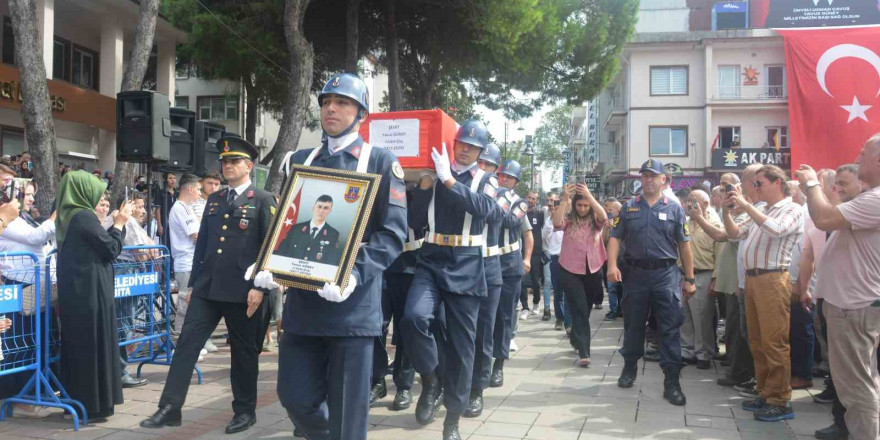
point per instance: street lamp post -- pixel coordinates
(529, 151)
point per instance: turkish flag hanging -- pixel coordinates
(833, 84)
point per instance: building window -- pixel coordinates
(11, 141)
(61, 59)
(85, 67)
(671, 80)
(8, 42)
(775, 81)
(668, 141)
(773, 132)
(218, 108)
(728, 82)
(181, 101)
(729, 137)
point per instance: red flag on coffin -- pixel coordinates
(833, 87)
(289, 219)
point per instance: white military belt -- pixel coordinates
(509, 248)
(413, 245)
(492, 251)
(454, 240)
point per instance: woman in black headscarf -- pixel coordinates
(90, 370)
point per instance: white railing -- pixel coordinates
(751, 92)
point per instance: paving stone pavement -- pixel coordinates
(545, 397)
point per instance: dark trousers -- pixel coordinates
(559, 303)
(534, 280)
(380, 352)
(652, 291)
(202, 318)
(484, 342)
(398, 285)
(742, 367)
(324, 383)
(582, 292)
(506, 315)
(423, 303)
(801, 339)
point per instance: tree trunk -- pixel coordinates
(35, 108)
(392, 52)
(351, 35)
(133, 79)
(302, 60)
(250, 116)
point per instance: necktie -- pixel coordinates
(314, 231)
(230, 197)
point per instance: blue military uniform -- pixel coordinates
(326, 352)
(652, 281)
(511, 273)
(449, 278)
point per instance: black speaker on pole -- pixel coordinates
(143, 127)
(183, 128)
(207, 156)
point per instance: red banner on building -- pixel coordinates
(833, 88)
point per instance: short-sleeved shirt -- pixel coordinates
(849, 270)
(182, 224)
(705, 249)
(523, 227)
(651, 232)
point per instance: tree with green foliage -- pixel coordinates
(551, 139)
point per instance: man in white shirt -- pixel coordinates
(210, 185)
(183, 225)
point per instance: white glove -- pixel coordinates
(263, 280)
(331, 292)
(441, 164)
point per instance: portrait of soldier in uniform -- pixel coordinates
(314, 239)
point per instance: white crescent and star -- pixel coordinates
(856, 110)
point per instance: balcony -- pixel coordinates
(751, 93)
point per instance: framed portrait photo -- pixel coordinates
(318, 227)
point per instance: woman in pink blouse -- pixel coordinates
(580, 260)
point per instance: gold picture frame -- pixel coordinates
(317, 230)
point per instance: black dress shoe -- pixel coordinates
(475, 405)
(703, 364)
(833, 432)
(128, 381)
(402, 400)
(426, 407)
(379, 391)
(166, 416)
(241, 422)
(727, 382)
(546, 316)
(628, 376)
(497, 378)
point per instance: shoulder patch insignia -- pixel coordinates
(615, 222)
(272, 210)
(520, 210)
(687, 230)
(491, 187)
(397, 170)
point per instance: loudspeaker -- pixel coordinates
(143, 127)
(207, 156)
(183, 128)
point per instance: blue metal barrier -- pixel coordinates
(25, 303)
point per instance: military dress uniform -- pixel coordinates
(326, 352)
(449, 278)
(320, 245)
(652, 281)
(511, 262)
(398, 279)
(231, 233)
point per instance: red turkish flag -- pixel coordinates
(833, 87)
(290, 216)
